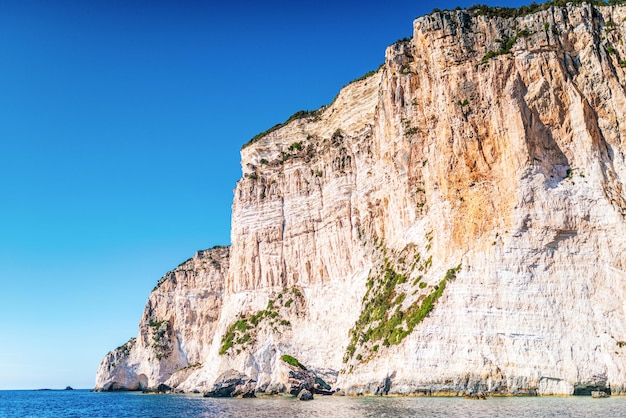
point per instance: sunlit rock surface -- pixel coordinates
(176, 329)
(452, 223)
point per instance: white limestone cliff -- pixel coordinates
(176, 328)
(453, 222)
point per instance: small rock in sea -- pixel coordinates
(305, 395)
(162, 388)
(69, 388)
(599, 394)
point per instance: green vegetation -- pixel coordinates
(298, 115)
(417, 312)
(506, 45)
(235, 329)
(508, 12)
(167, 276)
(191, 366)
(363, 77)
(243, 331)
(411, 131)
(292, 361)
(185, 262)
(160, 342)
(125, 348)
(511, 12)
(408, 129)
(296, 146)
(451, 273)
(366, 75)
(155, 324)
(388, 315)
(570, 173)
(311, 114)
(404, 40)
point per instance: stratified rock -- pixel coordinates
(457, 217)
(300, 380)
(320, 384)
(227, 385)
(246, 390)
(176, 329)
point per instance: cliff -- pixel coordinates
(453, 222)
(176, 328)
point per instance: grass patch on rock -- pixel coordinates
(242, 333)
(292, 361)
(388, 313)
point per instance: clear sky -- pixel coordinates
(121, 123)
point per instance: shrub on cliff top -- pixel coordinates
(511, 12)
(298, 115)
(371, 73)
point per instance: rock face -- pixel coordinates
(176, 329)
(454, 223)
(305, 395)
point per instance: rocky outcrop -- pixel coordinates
(304, 395)
(176, 329)
(453, 223)
(232, 384)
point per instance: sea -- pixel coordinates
(84, 403)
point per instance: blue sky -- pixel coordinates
(120, 128)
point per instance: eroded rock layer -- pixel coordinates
(454, 222)
(176, 329)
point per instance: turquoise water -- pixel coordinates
(82, 403)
